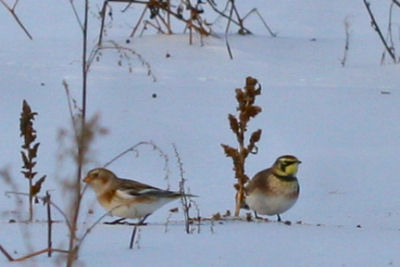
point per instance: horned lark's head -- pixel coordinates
(99, 179)
(286, 166)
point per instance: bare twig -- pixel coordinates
(72, 249)
(185, 199)
(396, 2)
(70, 109)
(31, 255)
(229, 18)
(226, 34)
(125, 53)
(255, 10)
(154, 6)
(375, 26)
(49, 223)
(389, 35)
(12, 12)
(78, 19)
(67, 222)
(135, 227)
(347, 41)
(137, 24)
(90, 228)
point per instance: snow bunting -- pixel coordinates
(274, 190)
(127, 198)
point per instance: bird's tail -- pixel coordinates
(172, 194)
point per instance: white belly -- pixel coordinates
(269, 205)
(135, 210)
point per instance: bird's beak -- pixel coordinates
(298, 161)
(87, 179)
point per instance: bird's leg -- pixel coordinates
(256, 216)
(117, 221)
(279, 218)
(141, 222)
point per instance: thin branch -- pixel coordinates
(125, 51)
(255, 10)
(396, 2)
(131, 149)
(226, 35)
(374, 25)
(229, 18)
(15, 4)
(389, 30)
(8, 256)
(138, 22)
(347, 41)
(71, 114)
(12, 12)
(49, 223)
(76, 14)
(72, 248)
(36, 253)
(242, 29)
(103, 16)
(141, 222)
(185, 199)
(67, 222)
(90, 228)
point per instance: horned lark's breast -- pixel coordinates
(273, 195)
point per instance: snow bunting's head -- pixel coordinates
(99, 179)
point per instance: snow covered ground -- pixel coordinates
(343, 123)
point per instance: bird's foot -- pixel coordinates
(117, 221)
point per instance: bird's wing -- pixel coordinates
(258, 181)
(132, 188)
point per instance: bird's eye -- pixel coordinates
(94, 174)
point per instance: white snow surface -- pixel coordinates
(342, 123)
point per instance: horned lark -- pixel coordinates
(127, 198)
(274, 190)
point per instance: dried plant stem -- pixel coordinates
(347, 41)
(396, 2)
(184, 198)
(29, 153)
(241, 162)
(375, 26)
(228, 47)
(72, 248)
(230, 17)
(89, 229)
(78, 19)
(135, 227)
(12, 12)
(137, 24)
(255, 10)
(200, 27)
(67, 222)
(30, 202)
(389, 35)
(238, 124)
(125, 53)
(49, 223)
(31, 255)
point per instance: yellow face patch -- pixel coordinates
(286, 166)
(292, 169)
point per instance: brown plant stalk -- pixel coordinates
(238, 124)
(29, 153)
